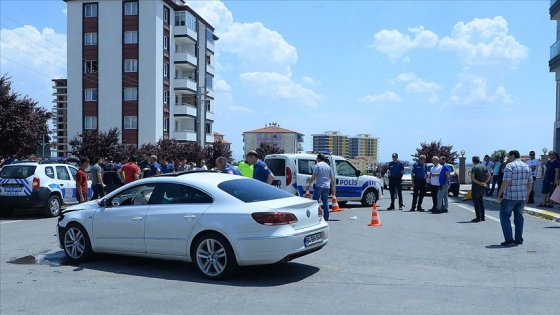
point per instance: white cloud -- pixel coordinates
(308, 80)
(280, 87)
(478, 89)
(414, 84)
(385, 97)
(395, 44)
(239, 109)
(483, 42)
(221, 85)
(33, 58)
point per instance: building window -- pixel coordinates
(90, 122)
(166, 71)
(90, 66)
(130, 122)
(165, 98)
(90, 39)
(208, 128)
(209, 36)
(208, 60)
(166, 43)
(131, 37)
(180, 18)
(209, 82)
(131, 65)
(165, 125)
(131, 8)
(90, 94)
(131, 94)
(90, 10)
(166, 15)
(208, 108)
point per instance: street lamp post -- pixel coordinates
(462, 167)
(544, 158)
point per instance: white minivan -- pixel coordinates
(291, 172)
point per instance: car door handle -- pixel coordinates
(189, 216)
(61, 184)
(137, 218)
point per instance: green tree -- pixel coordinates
(266, 148)
(501, 154)
(94, 143)
(436, 148)
(22, 122)
(212, 152)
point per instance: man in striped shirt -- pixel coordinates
(513, 194)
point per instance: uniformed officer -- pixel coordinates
(396, 171)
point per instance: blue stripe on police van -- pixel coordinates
(26, 188)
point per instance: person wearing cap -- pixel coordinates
(260, 169)
(324, 183)
(396, 171)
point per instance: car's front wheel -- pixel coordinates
(214, 257)
(370, 197)
(52, 207)
(77, 246)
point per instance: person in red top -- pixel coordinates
(130, 171)
(81, 181)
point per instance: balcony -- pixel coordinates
(209, 92)
(554, 62)
(185, 83)
(210, 115)
(210, 46)
(188, 135)
(554, 10)
(184, 109)
(210, 69)
(186, 56)
(209, 138)
(183, 30)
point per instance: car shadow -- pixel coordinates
(462, 222)
(17, 215)
(552, 227)
(251, 276)
(499, 247)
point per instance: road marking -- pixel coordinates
(472, 210)
(6, 222)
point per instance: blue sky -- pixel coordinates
(471, 73)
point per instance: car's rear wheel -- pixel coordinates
(52, 207)
(76, 243)
(370, 197)
(214, 257)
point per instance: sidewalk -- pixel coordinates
(550, 213)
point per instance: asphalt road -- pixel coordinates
(416, 263)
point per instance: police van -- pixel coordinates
(292, 171)
(46, 185)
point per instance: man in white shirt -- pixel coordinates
(533, 165)
(434, 181)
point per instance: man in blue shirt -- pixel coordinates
(166, 166)
(155, 168)
(260, 169)
(223, 165)
(396, 171)
(443, 192)
(419, 174)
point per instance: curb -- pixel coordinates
(553, 216)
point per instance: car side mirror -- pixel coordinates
(103, 203)
(358, 173)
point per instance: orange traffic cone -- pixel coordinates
(307, 195)
(375, 217)
(335, 207)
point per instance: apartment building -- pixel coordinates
(60, 116)
(219, 137)
(554, 64)
(362, 145)
(287, 140)
(143, 66)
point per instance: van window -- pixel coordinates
(344, 168)
(306, 166)
(49, 171)
(277, 166)
(17, 171)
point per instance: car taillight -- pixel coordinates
(288, 176)
(274, 218)
(320, 211)
(36, 183)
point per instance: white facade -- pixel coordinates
(187, 51)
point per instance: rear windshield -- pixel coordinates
(17, 171)
(251, 190)
(277, 166)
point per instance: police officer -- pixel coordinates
(396, 171)
(419, 175)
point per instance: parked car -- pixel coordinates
(45, 185)
(454, 181)
(292, 171)
(217, 221)
(406, 179)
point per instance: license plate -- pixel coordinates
(313, 239)
(12, 189)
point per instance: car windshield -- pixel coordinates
(17, 171)
(251, 190)
(407, 171)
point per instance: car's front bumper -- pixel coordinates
(272, 249)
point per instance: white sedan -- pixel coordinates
(218, 221)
